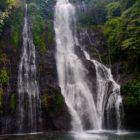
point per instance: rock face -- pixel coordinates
(54, 112)
(10, 88)
(132, 121)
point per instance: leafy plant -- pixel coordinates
(131, 92)
(6, 7)
(113, 9)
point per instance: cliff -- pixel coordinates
(96, 36)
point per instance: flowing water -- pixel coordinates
(104, 135)
(28, 90)
(108, 94)
(71, 72)
(87, 114)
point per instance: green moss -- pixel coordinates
(39, 35)
(59, 100)
(15, 38)
(42, 27)
(4, 77)
(13, 102)
(15, 22)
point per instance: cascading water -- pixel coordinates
(109, 101)
(28, 90)
(108, 94)
(86, 113)
(71, 72)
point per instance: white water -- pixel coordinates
(86, 114)
(71, 72)
(28, 90)
(108, 96)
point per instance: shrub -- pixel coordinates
(131, 92)
(113, 9)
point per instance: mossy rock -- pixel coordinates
(13, 102)
(4, 76)
(52, 96)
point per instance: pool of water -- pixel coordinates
(88, 135)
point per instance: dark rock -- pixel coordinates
(132, 120)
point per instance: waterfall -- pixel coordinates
(71, 72)
(28, 89)
(108, 94)
(85, 111)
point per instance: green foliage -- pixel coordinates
(95, 14)
(3, 5)
(4, 77)
(131, 91)
(5, 8)
(43, 8)
(33, 9)
(3, 16)
(1, 99)
(113, 9)
(13, 102)
(39, 35)
(130, 23)
(15, 22)
(122, 35)
(112, 32)
(40, 28)
(125, 4)
(131, 44)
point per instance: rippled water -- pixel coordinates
(90, 135)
